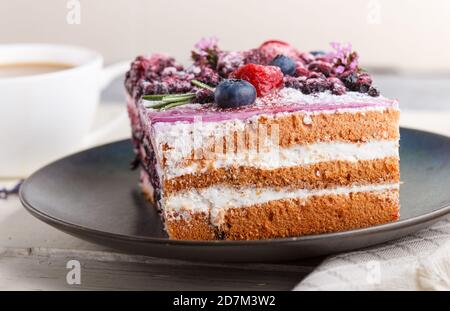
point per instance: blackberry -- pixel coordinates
(292, 82)
(253, 56)
(203, 96)
(229, 62)
(207, 75)
(364, 82)
(336, 86)
(315, 85)
(373, 92)
(316, 75)
(350, 80)
(137, 72)
(321, 66)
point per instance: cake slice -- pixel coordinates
(265, 143)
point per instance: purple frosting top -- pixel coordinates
(287, 100)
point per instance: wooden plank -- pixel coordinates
(33, 256)
(43, 269)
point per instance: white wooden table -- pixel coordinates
(33, 255)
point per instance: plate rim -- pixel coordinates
(59, 223)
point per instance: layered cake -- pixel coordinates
(263, 143)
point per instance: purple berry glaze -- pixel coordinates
(211, 113)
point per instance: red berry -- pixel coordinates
(265, 79)
(270, 49)
(301, 70)
(321, 66)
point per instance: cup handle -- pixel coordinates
(108, 74)
(113, 71)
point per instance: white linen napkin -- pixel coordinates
(417, 262)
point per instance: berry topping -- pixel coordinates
(265, 79)
(270, 49)
(269, 67)
(234, 93)
(286, 64)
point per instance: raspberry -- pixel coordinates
(270, 49)
(264, 78)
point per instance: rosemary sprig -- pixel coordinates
(202, 85)
(162, 96)
(158, 101)
(174, 104)
(170, 98)
(167, 101)
(155, 105)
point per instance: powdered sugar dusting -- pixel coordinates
(293, 96)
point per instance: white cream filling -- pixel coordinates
(179, 139)
(294, 156)
(216, 198)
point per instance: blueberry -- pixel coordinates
(234, 93)
(317, 53)
(286, 64)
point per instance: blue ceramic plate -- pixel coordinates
(94, 195)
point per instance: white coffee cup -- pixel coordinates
(46, 116)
